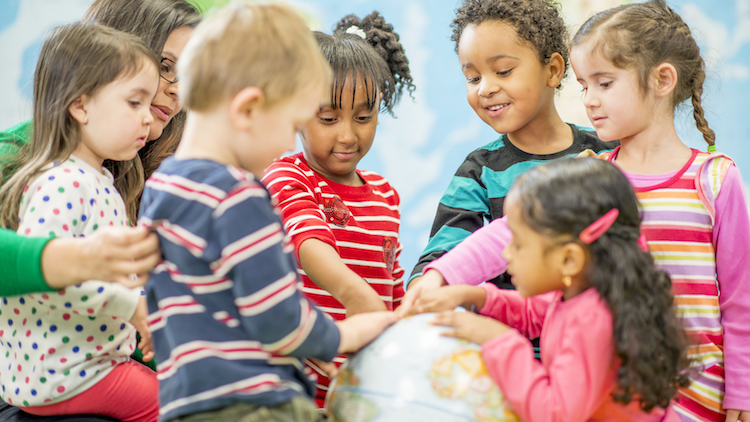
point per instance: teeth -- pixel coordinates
(496, 107)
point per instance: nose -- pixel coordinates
(506, 254)
(346, 133)
(171, 89)
(589, 99)
(487, 87)
(148, 118)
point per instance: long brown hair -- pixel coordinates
(152, 21)
(76, 60)
(644, 35)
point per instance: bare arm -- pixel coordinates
(110, 254)
(324, 267)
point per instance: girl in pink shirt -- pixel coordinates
(611, 346)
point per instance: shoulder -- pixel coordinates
(288, 168)
(380, 185)
(67, 178)
(588, 309)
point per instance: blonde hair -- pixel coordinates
(262, 45)
(76, 59)
(644, 35)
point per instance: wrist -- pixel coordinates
(62, 263)
(475, 297)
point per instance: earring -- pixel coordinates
(567, 281)
(86, 120)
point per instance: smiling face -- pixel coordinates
(115, 121)
(167, 104)
(338, 138)
(506, 84)
(615, 103)
(531, 256)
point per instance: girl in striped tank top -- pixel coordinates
(343, 221)
(636, 63)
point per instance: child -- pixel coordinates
(694, 209)
(68, 352)
(230, 326)
(636, 63)
(612, 347)
(344, 221)
(514, 55)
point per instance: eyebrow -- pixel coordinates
(142, 91)
(491, 60)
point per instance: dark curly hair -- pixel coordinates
(536, 21)
(562, 198)
(379, 59)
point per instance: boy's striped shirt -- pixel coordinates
(229, 323)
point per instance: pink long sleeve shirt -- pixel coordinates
(578, 369)
(478, 258)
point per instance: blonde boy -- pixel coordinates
(229, 326)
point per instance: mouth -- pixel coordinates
(345, 155)
(142, 141)
(162, 112)
(497, 109)
(598, 121)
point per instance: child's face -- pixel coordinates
(118, 117)
(614, 101)
(530, 256)
(506, 84)
(277, 129)
(337, 139)
(166, 103)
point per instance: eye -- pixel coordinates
(134, 103)
(605, 84)
(504, 72)
(327, 120)
(473, 80)
(364, 119)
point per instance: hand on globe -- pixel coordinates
(431, 280)
(470, 326)
(359, 330)
(447, 298)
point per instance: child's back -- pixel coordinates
(226, 306)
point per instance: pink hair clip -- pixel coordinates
(643, 243)
(599, 227)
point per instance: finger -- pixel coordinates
(148, 356)
(445, 319)
(145, 247)
(732, 415)
(144, 264)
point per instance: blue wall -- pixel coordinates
(421, 148)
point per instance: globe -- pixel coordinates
(412, 373)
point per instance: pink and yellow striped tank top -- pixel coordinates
(679, 230)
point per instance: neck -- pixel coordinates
(88, 156)
(547, 133)
(655, 150)
(207, 136)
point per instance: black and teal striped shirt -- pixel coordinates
(477, 191)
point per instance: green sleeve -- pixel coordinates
(21, 261)
(11, 141)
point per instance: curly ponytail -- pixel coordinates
(379, 59)
(562, 198)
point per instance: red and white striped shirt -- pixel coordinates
(360, 222)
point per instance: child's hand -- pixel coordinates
(470, 326)
(329, 368)
(429, 281)
(447, 298)
(737, 415)
(360, 330)
(140, 323)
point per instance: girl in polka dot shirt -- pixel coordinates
(67, 352)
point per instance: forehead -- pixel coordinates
(491, 38)
(352, 90)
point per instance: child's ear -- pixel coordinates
(573, 259)
(77, 109)
(664, 79)
(245, 105)
(556, 68)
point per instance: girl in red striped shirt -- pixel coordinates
(344, 221)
